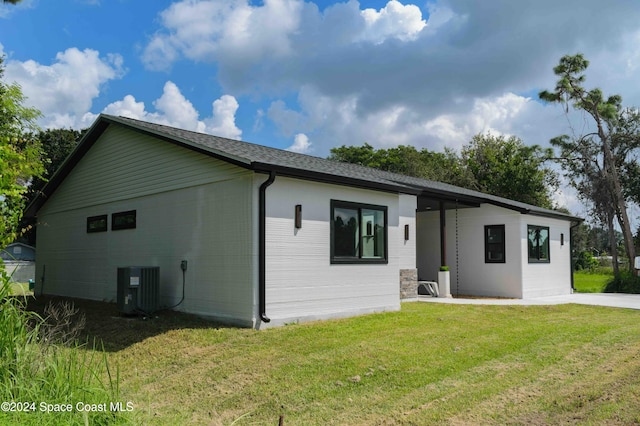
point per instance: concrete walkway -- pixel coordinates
(614, 300)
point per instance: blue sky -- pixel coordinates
(308, 76)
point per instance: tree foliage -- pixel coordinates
(56, 145)
(509, 168)
(597, 163)
(439, 166)
(19, 156)
(493, 164)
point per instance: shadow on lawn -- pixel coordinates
(106, 326)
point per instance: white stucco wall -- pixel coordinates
(301, 282)
(407, 216)
(189, 207)
(547, 279)
(470, 275)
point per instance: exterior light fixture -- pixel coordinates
(298, 216)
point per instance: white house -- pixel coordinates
(271, 236)
(19, 262)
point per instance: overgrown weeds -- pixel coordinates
(42, 368)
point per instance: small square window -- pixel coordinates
(97, 223)
(123, 220)
(494, 246)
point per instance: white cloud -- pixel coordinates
(173, 109)
(222, 122)
(68, 87)
(239, 36)
(231, 30)
(337, 120)
(392, 56)
(301, 144)
(393, 20)
(65, 90)
(127, 107)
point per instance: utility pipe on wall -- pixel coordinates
(262, 247)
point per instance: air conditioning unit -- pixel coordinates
(138, 290)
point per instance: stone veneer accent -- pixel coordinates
(408, 283)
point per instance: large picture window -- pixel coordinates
(494, 248)
(358, 233)
(538, 242)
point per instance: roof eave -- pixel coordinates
(259, 167)
(68, 164)
(92, 135)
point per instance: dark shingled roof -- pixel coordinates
(265, 160)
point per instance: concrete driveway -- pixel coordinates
(614, 300)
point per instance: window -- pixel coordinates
(538, 242)
(358, 233)
(494, 251)
(97, 223)
(123, 220)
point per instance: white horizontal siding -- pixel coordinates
(125, 164)
(209, 226)
(203, 215)
(301, 283)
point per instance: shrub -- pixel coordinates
(625, 282)
(586, 261)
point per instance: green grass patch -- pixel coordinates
(427, 364)
(20, 289)
(588, 282)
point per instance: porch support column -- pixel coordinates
(443, 235)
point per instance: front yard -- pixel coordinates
(428, 364)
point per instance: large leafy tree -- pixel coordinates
(19, 156)
(506, 167)
(56, 145)
(597, 162)
(494, 164)
(439, 166)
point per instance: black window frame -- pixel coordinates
(490, 247)
(103, 219)
(359, 259)
(116, 225)
(537, 258)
